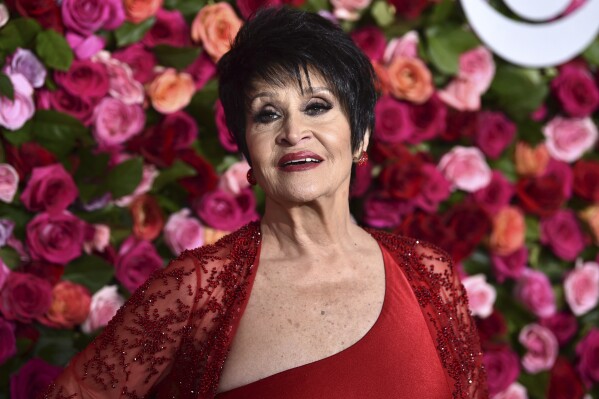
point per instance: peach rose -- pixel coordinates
(171, 91)
(581, 287)
(140, 10)
(531, 161)
(383, 85)
(213, 235)
(70, 305)
(147, 216)
(590, 215)
(410, 79)
(508, 231)
(215, 26)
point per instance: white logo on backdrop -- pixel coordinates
(534, 44)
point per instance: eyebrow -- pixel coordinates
(313, 90)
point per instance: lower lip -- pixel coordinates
(300, 167)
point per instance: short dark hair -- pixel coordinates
(280, 44)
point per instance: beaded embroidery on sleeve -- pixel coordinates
(171, 338)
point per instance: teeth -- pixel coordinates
(305, 160)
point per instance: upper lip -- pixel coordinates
(298, 156)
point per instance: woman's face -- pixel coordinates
(299, 143)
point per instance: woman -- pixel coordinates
(304, 304)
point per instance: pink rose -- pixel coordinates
(4, 15)
(55, 238)
(496, 195)
(436, 189)
(85, 78)
(567, 139)
(8, 342)
(14, 113)
(371, 40)
(140, 60)
(25, 297)
(405, 46)
(9, 182)
(348, 9)
(465, 168)
(27, 64)
(116, 122)
(541, 347)
(576, 91)
(534, 290)
(97, 238)
(426, 120)
(502, 367)
(170, 28)
(562, 233)
(224, 211)
(514, 391)
(461, 94)
(481, 295)
(235, 178)
(383, 212)
(32, 379)
(563, 325)
(85, 47)
(79, 107)
(50, 188)
(226, 138)
(136, 261)
(477, 67)
(103, 307)
(509, 266)
(149, 174)
(495, 132)
(588, 361)
(183, 232)
(88, 16)
(122, 85)
(391, 123)
(581, 287)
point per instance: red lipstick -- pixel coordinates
(299, 161)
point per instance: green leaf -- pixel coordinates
(129, 33)
(53, 49)
(19, 32)
(189, 9)
(58, 132)
(176, 57)
(90, 271)
(591, 54)
(383, 13)
(10, 257)
(446, 43)
(177, 171)
(20, 136)
(441, 12)
(124, 178)
(55, 346)
(91, 174)
(6, 87)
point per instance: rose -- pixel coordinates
(563, 382)
(85, 78)
(562, 234)
(426, 120)
(147, 216)
(97, 237)
(122, 84)
(423, 226)
(205, 179)
(465, 168)
(361, 180)
(27, 156)
(391, 121)
(85, 47)
(249, 7)
(169, 28)
(140, 60)
(502, 367)
(32, 379)
(382, 211)
(576, 91)
(530, 161)
(495, 132)
(588, 361)
(104, 305)
(87, 16)
(461, 94)
(25, 297)
(50, 188)
(514, 391)
(215, 26)
(534, 290)
(436, 189)
(468, 225)
(140, 10)
(496, 195)
(581, 287)
(183, 232)
(403, 178)
(27, 64)
(79, 107)
(116, 122)
(477, 67)
(6, 228)
(171, 91)
(225, 137)
(370, 39)
(136, 261)
(542, 196)
(234, 179)
(586, 180)
(382, 83)
(349, 9)
(224, 211)
(148, 176)
(491, 327)
(410, 9)
(511, 265)
(590, 215)
(405, 46)
(55, 238)
(508, 231)
(410, 80)
(70, 306)
(481, 295)
(568, 139)
(4, 17)
(9, 182)
(14, 113)
(46, 12)
(202, 70)
(541, 346)
(8, 342)
(563, 325)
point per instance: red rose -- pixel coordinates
(25, 297)
(491, 327)
(371, 40)
(32, 379)
(137, 260)
(391, 122)
(576, 91)
(79, 107)
(51, 272)
(148, 219)
(55, 238)
(27, 156)
(426, 121)
(542, 196)
(503, 367)
(586, 180)
(46, 12)
(495, 195)
(248, 7)
(85, 78)
(564, 383)
(469, 224)
(460, 124)
(495, 132)
(49, 189)
(427, 227)
(140, 59)
(563, 325)
(205, 179)
(402, 179)
(410, 9)
(169, 28)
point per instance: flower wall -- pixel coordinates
(114, 158)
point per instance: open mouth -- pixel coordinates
(301, 161)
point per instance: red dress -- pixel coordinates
(395, 359)
(172, 337)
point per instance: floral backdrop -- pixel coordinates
(114, 158)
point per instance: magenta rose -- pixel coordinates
(103, 307)
(170, 28)
(25, 297)
(32, 379)
(436, 189)
(84, 78)
(140, 60)
(541, 346)
(79, 107)
(85, 47)
(224, 211)
(466, 168)
(14, 113)
(576, 91)
(248, 7)
(568, 139)
(391, 122)
(27, 64)
(88, 16)
(495, 132)
(509, 266)
(50, 188)
(534, 290)
(116, 122)
(182, 232)
(588, 357)
(502, 367)
(9, 182)
(136, 261)
(382, 211)
(426, 121)
(371, 40)
(55, 238)
(563, 325)
(8, 342)
(202, 70)
(581, 287)
(563, 174)
(562, 233)
(224, 135)
(496, 195)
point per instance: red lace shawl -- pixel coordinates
(171, 338)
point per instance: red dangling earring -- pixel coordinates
(251, 178)
(363, 158)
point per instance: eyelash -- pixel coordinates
(313, 109)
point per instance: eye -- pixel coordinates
(266, 116)
(317, 107)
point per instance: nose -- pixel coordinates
(293, 131)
